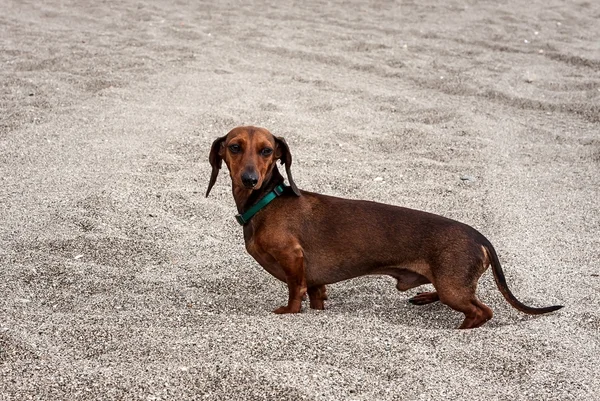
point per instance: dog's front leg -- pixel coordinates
(293, 266)
(317, 296)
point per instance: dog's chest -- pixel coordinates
(264, 259)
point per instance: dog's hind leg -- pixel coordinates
(455, 277)
(462, 298)
(407, 280)
(476, 312)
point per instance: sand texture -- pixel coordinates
(119, 280)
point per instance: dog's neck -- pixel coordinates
(246, 198)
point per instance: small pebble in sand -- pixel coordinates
(525, 41)
(378, 179)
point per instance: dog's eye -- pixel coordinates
(266, 151)
(235, 148)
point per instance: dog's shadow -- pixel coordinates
(371, 297)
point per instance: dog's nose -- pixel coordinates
(249, 179)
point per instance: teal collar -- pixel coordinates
(244, 218)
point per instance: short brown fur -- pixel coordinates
(309, 240)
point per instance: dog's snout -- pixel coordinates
(249, 179)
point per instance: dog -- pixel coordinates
(309, 240)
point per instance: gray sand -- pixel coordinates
(119, 280)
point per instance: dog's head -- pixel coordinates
(250, 154)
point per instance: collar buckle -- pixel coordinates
(278, 190)
(240, 219)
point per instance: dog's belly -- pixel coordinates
(409, 274)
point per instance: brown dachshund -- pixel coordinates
(308, 240)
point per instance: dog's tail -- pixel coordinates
(503, 287)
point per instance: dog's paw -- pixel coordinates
(424, 298)
(285, 309)
(318, 305)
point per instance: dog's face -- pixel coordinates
(250, 154)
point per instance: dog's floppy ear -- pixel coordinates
(283, 153)
(215, 161)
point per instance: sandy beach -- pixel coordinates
(119, 280)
